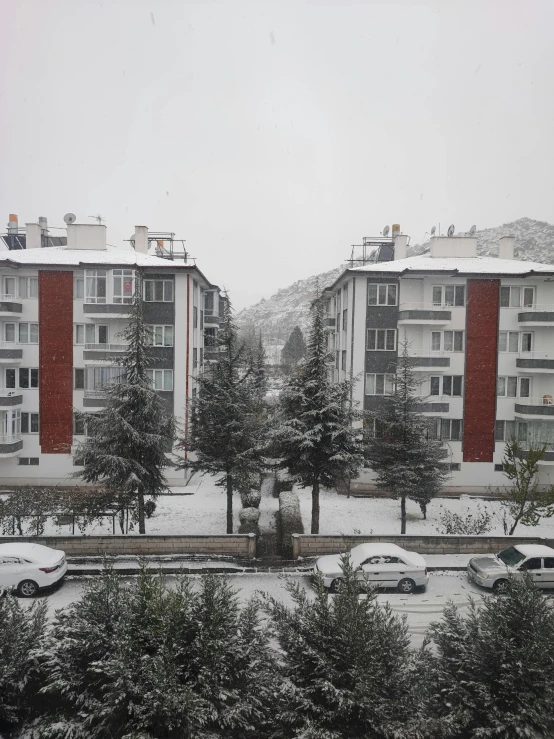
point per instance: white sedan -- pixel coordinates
(383, 565)
(28, 567)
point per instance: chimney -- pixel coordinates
(13, 224)
(33, 240)
(506, 247)
(140, 239)
(453, 246)
(86, 236)
(400, 245)
(395, 230)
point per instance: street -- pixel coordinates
(420, 609)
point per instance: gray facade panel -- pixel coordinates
(381, 362)
(535, 410)
(114, 357)
(169, 402)
(435, 407)
(431, 362)
(11, 400)
(105, 308)
(535, 363)
(426, 315)
(375, 403)
(380, 317)
(9, 448)
(95, 402)
(6, 307)
(546, 316)
(162, 357)
(11, 353)
(547, 456)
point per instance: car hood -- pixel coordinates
(488, 564)
(330, 564)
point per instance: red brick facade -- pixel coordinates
(55, 306)
(481, 368)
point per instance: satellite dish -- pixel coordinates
(386, 231)
(472, 230)
(433, 230)
(70, 218)
(451, 230)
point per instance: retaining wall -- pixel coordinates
(237, 545)
(315, 545)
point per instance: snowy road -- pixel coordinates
(420, 609)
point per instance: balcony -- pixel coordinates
(94, 399)
(548, 458)
(539, 406)
(535, 361)
(10, 352)
(423, 360)
(9, 398)
(10, 306)
(10, 444)
(107, 310)
(538, 315)
(211, 319)
(102, 352)
(424, 313)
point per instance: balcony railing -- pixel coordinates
(547, 400)
(106, 347)
(9, 438)
(427, 306)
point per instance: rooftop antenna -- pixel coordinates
(450, 231)
(99, 219)
(434, 228)
(386, 231)
(472, 230)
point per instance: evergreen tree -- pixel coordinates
(144, 661)
(346, 663)
(258, 369)
(227, 428)
(22, 630)
(127, 442)
(315, 438)
(407, 463)
(491, 672)
(294, 349)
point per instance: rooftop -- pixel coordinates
(61, 256)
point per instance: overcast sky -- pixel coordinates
(272, 135)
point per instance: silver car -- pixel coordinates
(383, 565)
(495, 570)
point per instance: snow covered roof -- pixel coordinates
(61, 256)
(454, 265)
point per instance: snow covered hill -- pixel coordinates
(276, 317)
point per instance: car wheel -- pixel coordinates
(500, 586)
(336, 585)
(27, 588)
(406, 586)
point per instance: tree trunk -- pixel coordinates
(140, 498)
(229, 504)
(423, 507)
(403, 514)
(511, 531)
(315, 507)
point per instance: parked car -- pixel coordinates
(494, 570)
(27, 567)
(383, 565)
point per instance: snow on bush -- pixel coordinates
(290, 520)
(249, 518)
(250, 499)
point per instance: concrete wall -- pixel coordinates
(238, 545)
(315, 545)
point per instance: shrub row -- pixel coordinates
(289, 521)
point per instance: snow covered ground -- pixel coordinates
(202, 511)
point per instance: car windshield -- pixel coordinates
(510, 556)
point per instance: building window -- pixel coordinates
(381, 294)
(455, 466)
(28, 287)
(29, 423)
(448, 429)
(161, 335)
(79, 378)
(381, 339)
(337, 359)
(379, 384)
(209, 337)
(448, 341)
(79, 424)
(515, 341)
(27, 461)
(161, 379)
(452, 385)
(96, 378)
(449, 295)
(201, 320)
(96, 285)
(499, 468)
(79, 288)
(10, 287)
(194, 358)
(194, 317)
(158, 291)
(344, 319)
(91, 333)
(513, 387)
(504, 430)
(22, 377)
(343, 360)
(517, 297)
(123, 285)
(24, 333)
(209, 303)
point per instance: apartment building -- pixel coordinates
(64, 302)
(480, 331)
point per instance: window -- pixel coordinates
(435, 386)
(381, 339)
(26, 461)
(436, 341)
(95, 280)
(453, 341)
(79, 288)
(9, 332)
(97, 377)
(515, 341)
(343, 360)
(516, 297)
(337, 359)
(209, 303)
(28, 333)
(79, 424)
(504, 430)
(79, 379)
(158, 291)
(22, 377)
(209, 337)
(28, 287)
(161, 335)
(10, 287)
(513, 387)
(498, 467)
(451, 385)
(449, 295)
(379, 384)
(29, 423)
(531, 564)
(455, 466)
(194, 358)
(202, 320)
(161, 379)
(448, 429)
(123, 285)
(91, 333)
(195, 317)
(201, 356)
(344, 319)
(11, 425)
(381, 294)
(548, 563)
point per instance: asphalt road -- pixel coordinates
(420, 609)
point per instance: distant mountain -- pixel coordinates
(276, 317)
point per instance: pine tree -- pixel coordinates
(346, 664)
(408, 463)
(491, 672)
(127, 442)
(315, 438)
(294, 349)
(227, 428)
